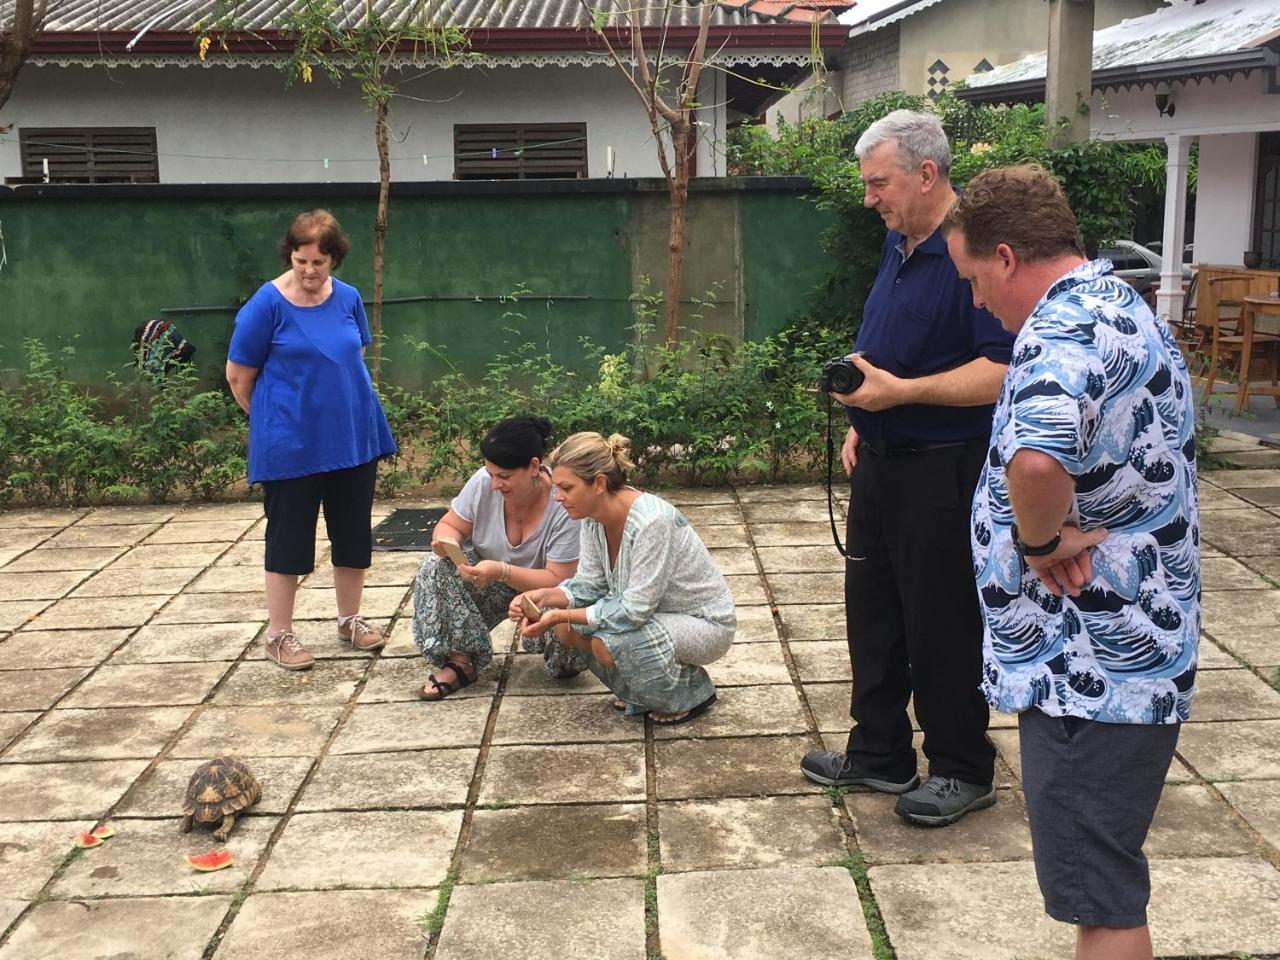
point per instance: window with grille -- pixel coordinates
(1267, 215)
(89, 154)
(519, 151)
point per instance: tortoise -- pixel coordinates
(217, 791)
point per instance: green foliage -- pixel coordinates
(58, 445)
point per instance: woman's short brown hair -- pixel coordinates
(315, 226)
(1023, 207)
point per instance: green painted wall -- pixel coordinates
(88, 264)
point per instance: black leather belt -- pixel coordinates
(902, 450)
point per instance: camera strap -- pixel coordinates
(831, 506)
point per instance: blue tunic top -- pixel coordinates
(918, 320)
(313, 407)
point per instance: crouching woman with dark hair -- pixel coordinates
(514, 537)
(648, 603)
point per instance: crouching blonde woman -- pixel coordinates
(647, 604)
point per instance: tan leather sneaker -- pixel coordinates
(360, 635)
(286, 650)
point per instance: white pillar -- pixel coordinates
(1169, 298)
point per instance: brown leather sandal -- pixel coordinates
(437, 689)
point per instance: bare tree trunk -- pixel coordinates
(28, 21)
(380, 234)
(678, 191)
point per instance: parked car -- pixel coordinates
(1138, 265)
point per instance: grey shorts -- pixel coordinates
(1092, 789)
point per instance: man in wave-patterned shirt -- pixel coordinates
(1086, 549)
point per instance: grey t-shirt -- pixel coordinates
(554, 541)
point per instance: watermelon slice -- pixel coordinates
(213, 860)
(103, 832)
(86, 840)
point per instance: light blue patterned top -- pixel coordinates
(1097, 383)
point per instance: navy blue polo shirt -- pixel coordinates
(920, 319)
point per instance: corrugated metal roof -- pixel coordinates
(77, 16)
(1185, 31)
(871, 15)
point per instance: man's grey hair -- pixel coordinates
(919, 137)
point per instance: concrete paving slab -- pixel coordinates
(12, 724)
(830, 705)
(1215, 498)
(92, 613)
(263, 682)
(9, 910)
(823, 661)
(51, 559)
(792, 534)
(1225, 612)
(378, 848)
(48, 585)
(16, 613)
(1193, 820)
(1259, 803)
(383, 727)
(814, 621)
(24, 517)
(750, 664)
(121, 535)
(755, 625)
(681, 496)
(590, 772)
(1212, 657)
(231, 510)
(37, 649)
(527, 920)
(214, 608)
(146, 685)
(146, 858)
(731, 561)
(1267, 567)
(1242, 533)
(375, 603)
(1232, 751)
(998, 833)
(30, 852)
(1233, 695)
(177, 928)
(409, 778)
(116, 515)
(708, 514)
(731, 767)
(1211, 907)
(400, 639)
(115, 582)
(553, 842)
(321, 638)
(258, 731)
(747, 590)
(1005, 778)
(780, 492)
(728, 833)
(64, 791)
(1245, 479)
(389, 570)
(724, 535)
(36, 689)
(130, 732)
(528, 678)
(248, 553)
(589, 718)
(178, 643)
(806, 588)
(787, 511)
(796, 560)
(400, 678)
(329, 925)
(208, 531)
(162, 791)
(1258, 645)
(744, 711)
(244, 579)
(161, 555)
(785, 913)
(1227, 573)
(1265, 497)
(969, 911)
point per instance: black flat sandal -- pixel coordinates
(442, 688)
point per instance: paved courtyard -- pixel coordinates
(524, 818)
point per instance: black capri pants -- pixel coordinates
(293, 505)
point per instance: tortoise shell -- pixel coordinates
(222, 785)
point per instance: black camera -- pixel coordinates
(840, 376)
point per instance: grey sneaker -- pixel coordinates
(944, 800)
(285, 650)
(833, 769)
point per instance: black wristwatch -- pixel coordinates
(1041, 551)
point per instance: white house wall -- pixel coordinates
(1225, 197)
(219, 125)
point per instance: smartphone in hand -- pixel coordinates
(453, 550)
(531, 611)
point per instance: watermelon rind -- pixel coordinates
(213, 860)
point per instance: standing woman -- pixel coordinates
(516, 537)
(648, 604)
(316, 428)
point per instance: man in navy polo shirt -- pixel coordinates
(918, 433)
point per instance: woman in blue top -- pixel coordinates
(316, 428)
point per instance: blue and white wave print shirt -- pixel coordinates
(1097, 383)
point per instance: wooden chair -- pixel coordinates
(1261, 332)
(1189, 337)
(1227, 344)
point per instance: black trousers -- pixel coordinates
(912, 614)
(293, 507)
